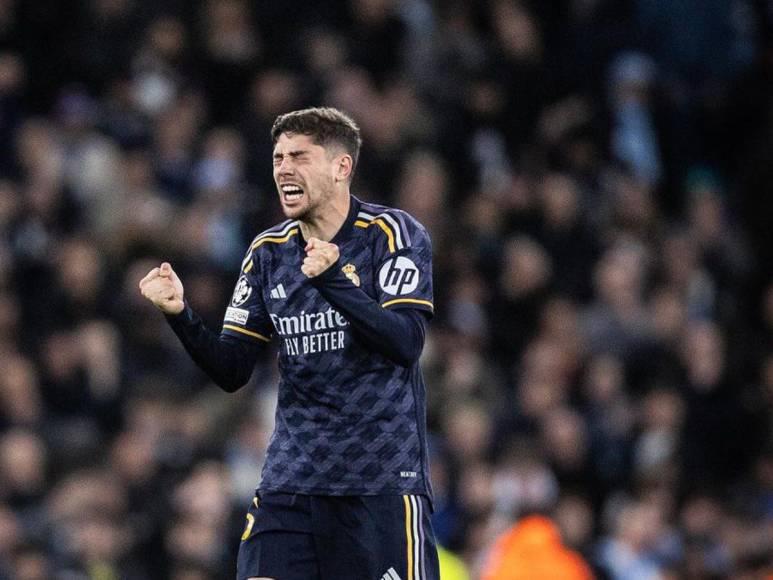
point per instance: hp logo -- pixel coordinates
(398, 276)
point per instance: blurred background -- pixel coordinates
(595, 174)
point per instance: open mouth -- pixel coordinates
(291, 192)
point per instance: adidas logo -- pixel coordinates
(279, 292)
(391, 575)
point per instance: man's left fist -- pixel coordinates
(319, 257)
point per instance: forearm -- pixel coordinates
(228, 361)
(395, 334)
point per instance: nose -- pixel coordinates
(284, 167)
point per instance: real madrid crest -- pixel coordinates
(350, 271)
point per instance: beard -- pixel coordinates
(309, 206)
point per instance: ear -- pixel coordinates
(343, 168)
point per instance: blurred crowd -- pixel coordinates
(596, 177)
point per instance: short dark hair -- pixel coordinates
(325, 125)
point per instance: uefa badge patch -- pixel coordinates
(241, 292)
(237, 315)
(350, 271)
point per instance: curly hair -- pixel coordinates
(325, 125)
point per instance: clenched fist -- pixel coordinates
(163, 288)
(319, 257)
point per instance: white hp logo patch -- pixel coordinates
(241, 292)
(398, 276)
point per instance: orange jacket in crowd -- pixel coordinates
(532, 550)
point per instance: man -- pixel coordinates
(346, 287)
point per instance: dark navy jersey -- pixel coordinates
(348, 419)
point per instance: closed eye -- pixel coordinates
(294, 155)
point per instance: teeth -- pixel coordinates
(291, 189)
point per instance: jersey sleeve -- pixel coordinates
(402, 262)
(246, 316)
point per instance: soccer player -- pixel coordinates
(346, 288)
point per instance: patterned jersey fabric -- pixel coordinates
(349, 421)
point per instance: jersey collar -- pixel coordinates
(345, 231)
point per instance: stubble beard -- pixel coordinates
(313, 206)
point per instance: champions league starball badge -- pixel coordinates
(241, 292)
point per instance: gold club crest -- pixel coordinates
(350, 271)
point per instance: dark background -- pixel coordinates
(595, 175)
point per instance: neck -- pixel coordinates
(325, 225)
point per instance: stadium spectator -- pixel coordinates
(532, 549)
(594, 178)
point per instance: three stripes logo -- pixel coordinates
(391, 574)
(278, 292)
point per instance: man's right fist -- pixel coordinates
(163, 288)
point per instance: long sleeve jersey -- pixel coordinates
(350, 417)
